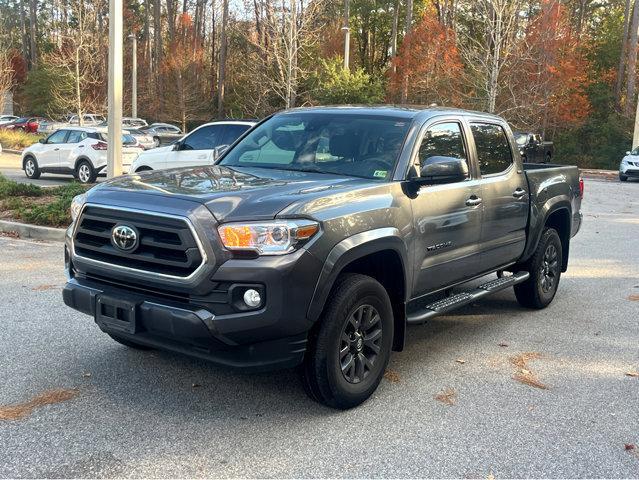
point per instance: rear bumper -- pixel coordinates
(180, 328)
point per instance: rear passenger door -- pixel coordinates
(68, 153)
(505, 199)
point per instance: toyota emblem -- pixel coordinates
(124, 238)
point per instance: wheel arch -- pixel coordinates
(380, 254)
(80, 159)
(26, 156)
(556, 214)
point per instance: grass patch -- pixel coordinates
(17, 139)
(37, 205)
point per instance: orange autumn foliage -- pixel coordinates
(428, 65)
(559, 65)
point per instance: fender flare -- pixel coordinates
(539, 219)
(351, 249)
(83, 157)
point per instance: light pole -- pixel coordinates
(134, 75)
(114, 140)
(347, 34)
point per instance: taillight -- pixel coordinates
(581, 187)
(99, 146)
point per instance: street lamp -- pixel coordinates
(114, 128)
(134, 75)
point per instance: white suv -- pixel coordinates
(629, 166)
(79, 151)
(200, 147)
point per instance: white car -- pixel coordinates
(7, 118)
(78, 151)
(200, 147)
(88, 119)
(629, 166)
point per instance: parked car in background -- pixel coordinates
(200, 147)
(146, 141)
(129, 122)
(7, 119)
(162, 133)
(47, 126)
(77, 151)
(88, 119)
(533, 149)
(26, 124)
(629, 166)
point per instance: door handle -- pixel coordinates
(520, 192)
(473, 201)
(56, 149)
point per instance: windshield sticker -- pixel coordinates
(380, 173)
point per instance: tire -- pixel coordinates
(156, 141)
(31, 168)
(334, 372)
(128, 343)
(545, 272)
(85, 173)
(623, 178)
(548, 158)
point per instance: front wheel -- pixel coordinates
(349, 351)
(85, 172)
(622, 178)
(31, 169)
(545, 271)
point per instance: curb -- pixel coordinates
(10, 150)
(35, 232)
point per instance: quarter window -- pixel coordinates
(442, 140)
(493, 149)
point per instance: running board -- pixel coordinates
(458, 300)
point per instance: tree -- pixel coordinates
(221, 77)
(336, 85)
(632, 60)
(6, 76)
(428, 68)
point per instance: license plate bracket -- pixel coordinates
(116, 314)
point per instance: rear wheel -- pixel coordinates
(349, 351)
(31, 169)
(85, 173)
(545, 271)
(128, 343)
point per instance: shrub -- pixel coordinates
(10, 189)
(334, 85)
(17, 139)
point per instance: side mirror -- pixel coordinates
(42, 140)
(219, 151)
(177, 146)
(440, 170)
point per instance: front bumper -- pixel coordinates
(629, 171)
(179, 327)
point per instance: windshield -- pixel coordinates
(521, 139)
(354, 145)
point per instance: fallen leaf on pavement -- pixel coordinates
(196, 385)
(49, 397)
(524, 374)
(392, 376)
(447, 396)
(10, 234)
(41, 288)
(86, 375)
(460, 360)
(629, 446)
(632, 374)
(502, 344)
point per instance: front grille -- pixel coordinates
(166, 244)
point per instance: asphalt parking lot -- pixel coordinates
(156, 414)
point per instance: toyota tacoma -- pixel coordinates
(318, 237)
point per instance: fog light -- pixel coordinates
(252, 298)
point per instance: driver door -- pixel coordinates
(49, 157)
(446, 218)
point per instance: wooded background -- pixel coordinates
(565, 69)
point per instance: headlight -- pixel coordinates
(267, 238)
(76, 205)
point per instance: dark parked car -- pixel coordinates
(26, 124)
(533, 149)
(161, 133)
(318, 237)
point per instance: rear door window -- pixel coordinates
(76, 136)
(493, 149)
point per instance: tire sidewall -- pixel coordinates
(550, 237)
(368, 292)
(92, 175)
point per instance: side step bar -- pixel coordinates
(453, 302)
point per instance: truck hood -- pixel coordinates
(237, 193)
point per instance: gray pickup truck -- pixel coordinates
(318, 237)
